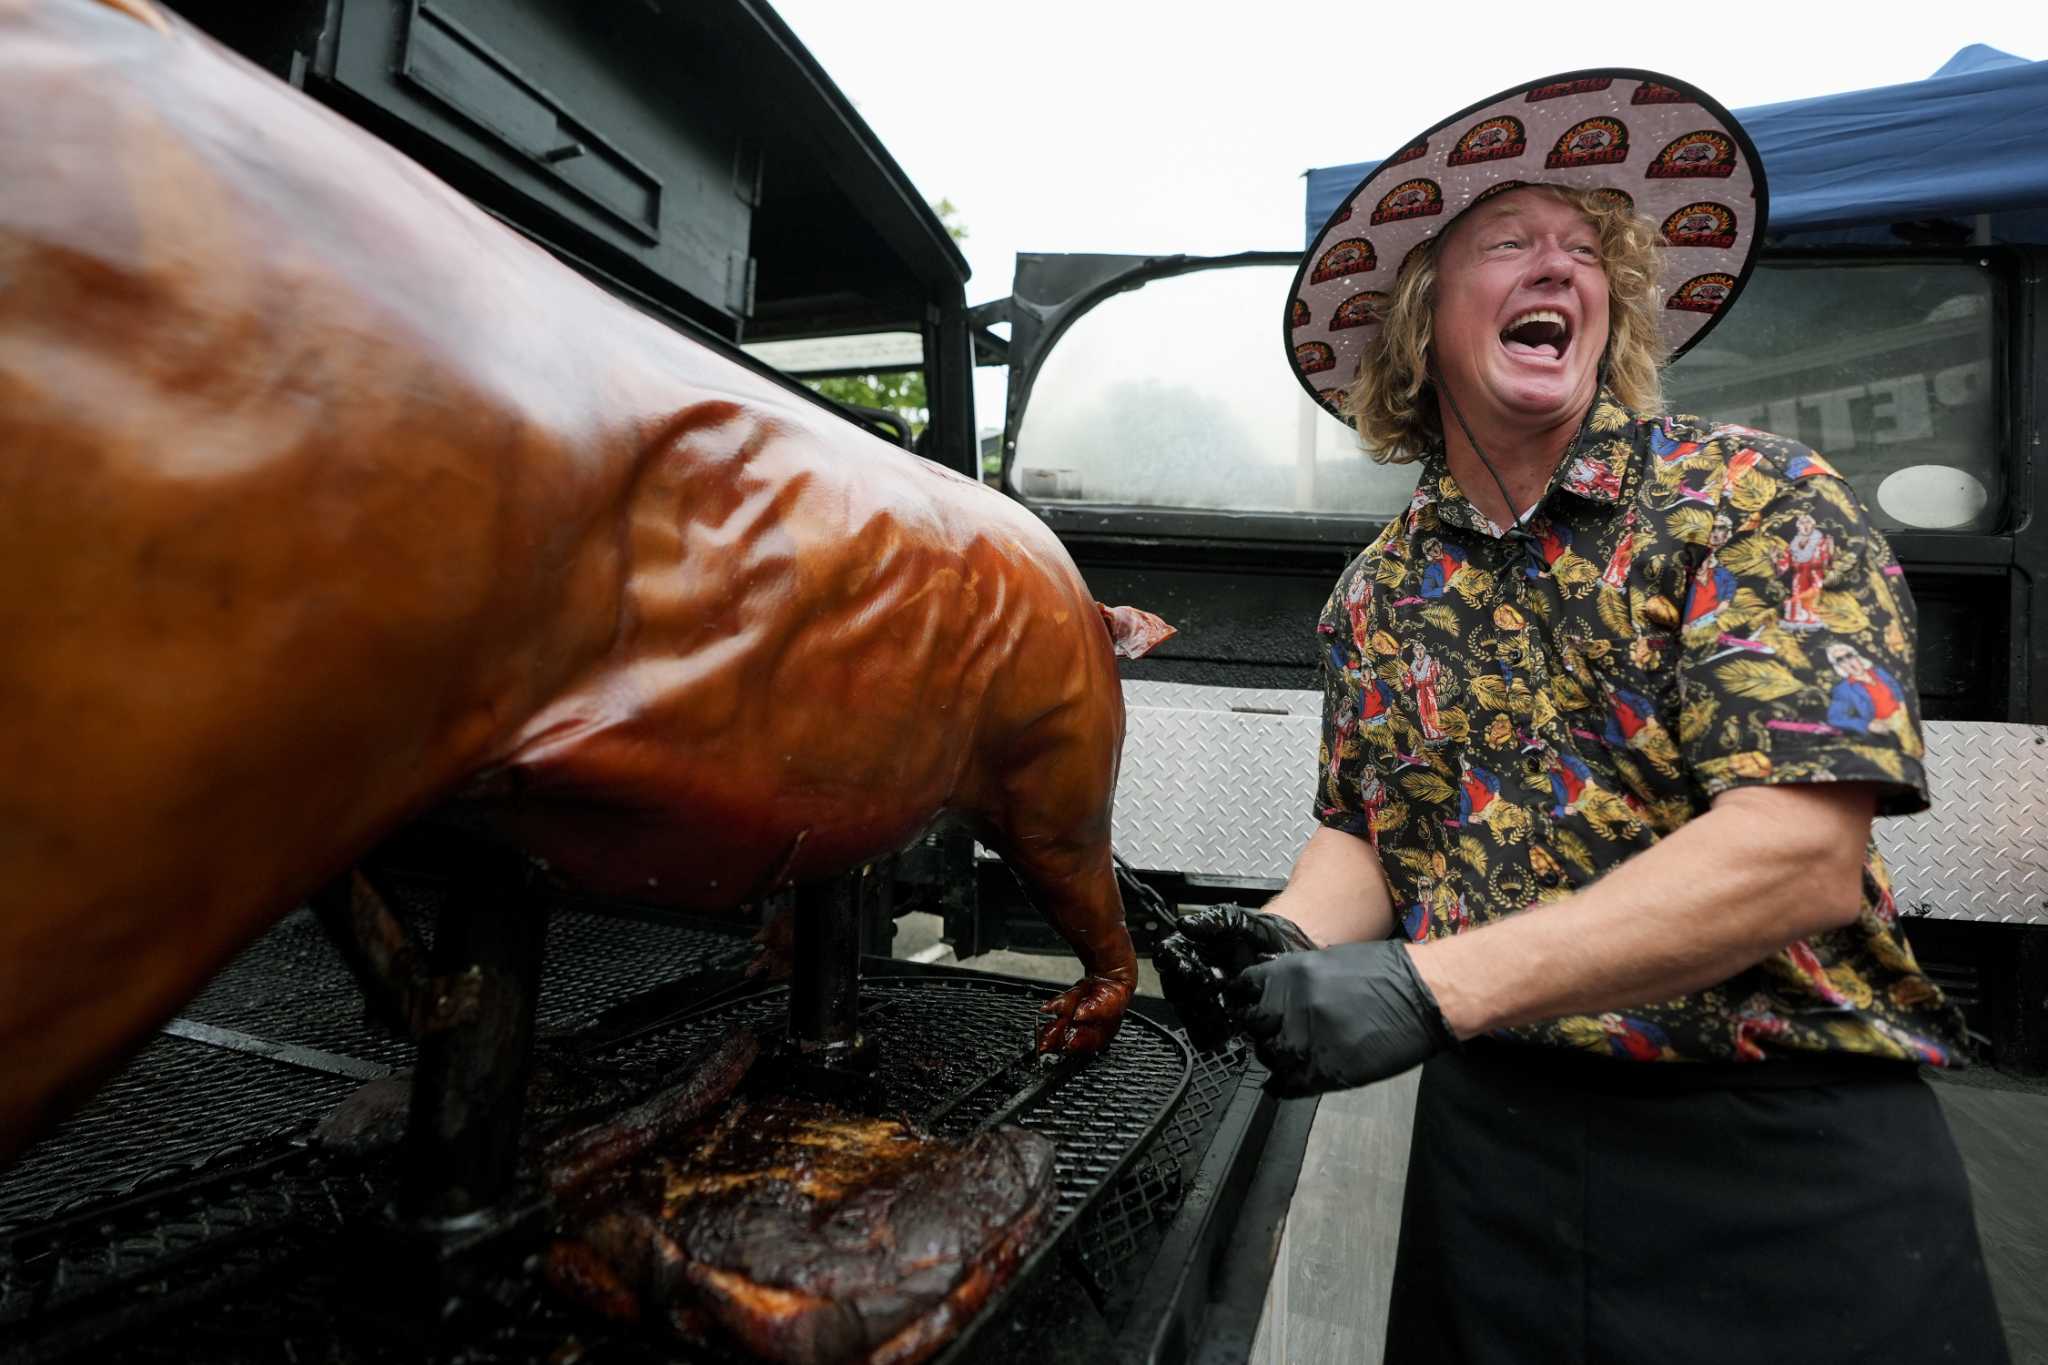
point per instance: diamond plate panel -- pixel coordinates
(1981, 852)
(1214, 784)
(1213, 791)
(1190, 697)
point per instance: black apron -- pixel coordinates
(1566, 1208)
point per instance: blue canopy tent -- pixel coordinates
(1956, 157)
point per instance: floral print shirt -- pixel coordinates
(1694, 608)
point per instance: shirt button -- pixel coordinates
(1550, 877)
(1532, 766)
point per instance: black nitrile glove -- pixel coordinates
(1214, 944)
(1338, 1017)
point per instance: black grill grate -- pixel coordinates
(152, 1122)
(240, 1261)
(292, 987)
(182, 1105)
(178, 1244)
(1116, 1241)
(937, 1038)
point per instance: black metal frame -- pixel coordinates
(1052, 291)
(469, 1085)
(2028, 374)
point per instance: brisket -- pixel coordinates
(809, 1235)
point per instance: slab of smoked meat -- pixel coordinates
(809, 1235)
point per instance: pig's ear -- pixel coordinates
(1134, 633)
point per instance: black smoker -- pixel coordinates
(184, 1215)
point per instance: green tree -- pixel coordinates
(945, 209)
(903, 391)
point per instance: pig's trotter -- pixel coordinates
(1085, 1016)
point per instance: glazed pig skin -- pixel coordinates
(329, 499)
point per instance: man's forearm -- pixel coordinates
(1717, 896)
(1337, 891)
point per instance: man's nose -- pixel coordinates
(1550, 263)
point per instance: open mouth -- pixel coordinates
(1540, 332)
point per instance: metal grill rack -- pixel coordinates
(291, 988)
(1114, 1244)
(200, 1225)
(67, 1285)
(1098, 1114)
(128, 1136)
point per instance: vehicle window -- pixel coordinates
(881, 372)
(1177, 394)
(805, 357)
(1884, 368)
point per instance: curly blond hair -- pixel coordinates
(1392, 402)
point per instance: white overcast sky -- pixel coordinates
(1148, 126)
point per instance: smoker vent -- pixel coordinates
(1961, 982)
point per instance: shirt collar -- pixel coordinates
(1600, 466)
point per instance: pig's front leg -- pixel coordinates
(1075, 888)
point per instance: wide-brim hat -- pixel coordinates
(1677, 156)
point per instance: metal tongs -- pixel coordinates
(1208, 1025)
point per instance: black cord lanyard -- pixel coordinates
(1519, 531)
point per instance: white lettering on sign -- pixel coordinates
(1899, 411)
(1837, 429)
(1882, 412)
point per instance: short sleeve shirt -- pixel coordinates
(1695, 608)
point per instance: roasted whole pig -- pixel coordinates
(329, 500)
(808, 1235)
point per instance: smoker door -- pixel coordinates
(558, 113)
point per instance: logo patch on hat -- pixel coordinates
(1333, 399)
(1701, 155)
(1703, 293)
(1410, 199)
(1414, 151)
(1620, 199)
(1701, 224)
(1489, 140)
(1313, 357)
(1563, 88)
(1297, 316)
(1347, 257)
(1360, 310)
(1649, 92)
(1590, 142)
